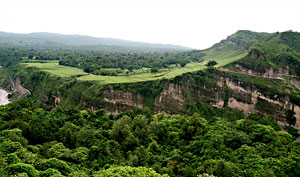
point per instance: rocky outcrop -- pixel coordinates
(170, 98)
(295, 83)
(262, 104)
(18, 88)
(57, 99)
(256, 54)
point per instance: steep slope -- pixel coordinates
(233, 46)
(276, 56)
(60, 40)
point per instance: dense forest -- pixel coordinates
(93, 62)
(72, 142)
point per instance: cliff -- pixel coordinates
(219, 91)
(17, 88)
(184, 94)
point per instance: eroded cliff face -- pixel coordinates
(120, 100)
(175, 96)
(170, 99)
(123, 97)
(18, 88)
(259, 103)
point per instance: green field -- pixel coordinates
(52, 67)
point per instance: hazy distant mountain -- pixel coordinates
(43, 38)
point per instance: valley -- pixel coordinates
(173, 88)
(164, 113)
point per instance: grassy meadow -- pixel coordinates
(53, 67)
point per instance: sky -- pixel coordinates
(193, 23)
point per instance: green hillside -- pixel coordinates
(233, 46)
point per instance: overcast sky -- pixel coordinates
(193, 23)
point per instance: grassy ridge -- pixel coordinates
(280, 50)
(52, 67)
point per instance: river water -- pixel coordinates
(3, 97)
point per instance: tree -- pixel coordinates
(54, 163)
(183, 63)
(290, 117)
(211, 63)
(130, 68)
(154, 70)
(15, 169)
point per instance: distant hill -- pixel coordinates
(53, 40)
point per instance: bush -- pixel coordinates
(54, 163)
(128, 171)
(15, 169)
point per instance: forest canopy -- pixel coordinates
(72, 142)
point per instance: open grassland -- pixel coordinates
(224, 52)
(52, 67)
(225, 61)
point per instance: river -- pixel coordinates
(3, 97)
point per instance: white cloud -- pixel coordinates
(192, 23)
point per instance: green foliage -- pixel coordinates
(128, 171)
(50, 172)
(211, 63)
(15, 169)
(138, 143)
(13, 135)
(54, 163)
(219, 168)
(292, 131)
(290, 117)
(154, 70)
